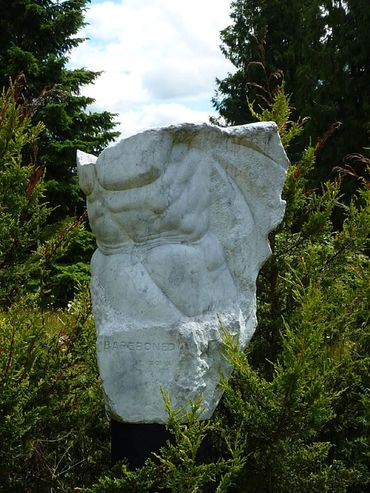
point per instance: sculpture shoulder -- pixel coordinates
(86, 171)
(134, 162)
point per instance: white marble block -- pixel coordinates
(181, 217)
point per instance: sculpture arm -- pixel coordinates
(86, 171)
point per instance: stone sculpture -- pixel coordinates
(181, 217)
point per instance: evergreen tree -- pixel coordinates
(31, 252)
(36, 37)
(320, 48)
(300, 393)
(21, 195)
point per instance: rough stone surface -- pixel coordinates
(181, 217)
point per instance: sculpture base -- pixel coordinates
(136, 442)
(184, 360)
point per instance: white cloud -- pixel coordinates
(154, 53)
(157, 115)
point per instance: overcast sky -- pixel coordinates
(160, 59)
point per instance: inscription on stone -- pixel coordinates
(141, 346)
(158, 365)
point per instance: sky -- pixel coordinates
(159, 58)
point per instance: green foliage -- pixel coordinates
(320, 49)
(177, 467)
(52, 416)
(21, 193)
(61, 260)
(36, 39)
(183, 471)
(300, 391)
(32, 256)
(279, 112)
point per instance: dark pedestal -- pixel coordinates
(136, 442)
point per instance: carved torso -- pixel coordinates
(173, 207)
(164, 224)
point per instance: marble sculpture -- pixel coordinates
(181, 217)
